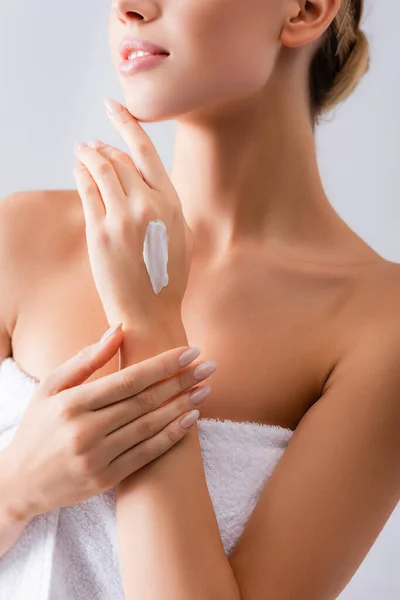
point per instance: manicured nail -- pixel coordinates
(188, 356)
(197, 396)
(188, 420)
(109, 332)
(204, 370)
(112, 106)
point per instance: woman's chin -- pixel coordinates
(147, 114)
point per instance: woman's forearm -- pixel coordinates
(12, 524)
(169, 542)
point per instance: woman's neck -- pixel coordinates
(249, 177)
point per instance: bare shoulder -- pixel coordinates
(31, 220)
(389, 294)
(382, 282)
(38, 231)
(381, 294)
(370, 320)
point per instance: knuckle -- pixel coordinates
(143, 212)
(79, 168)
(100, 235)
(145, 400)
(76, 440)
(122, 224)
(146, 428)
(87, 188)
(174, 433)
(67, 406)
(50, 385)
(105, 167)
(87, 466)
(125, 386)
(165, 361)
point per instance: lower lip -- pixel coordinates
(127, 67)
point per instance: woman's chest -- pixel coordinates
(268, 351)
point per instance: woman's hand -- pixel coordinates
(78, 439)
(118, 203)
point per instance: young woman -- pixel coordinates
(286, 481)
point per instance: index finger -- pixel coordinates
(135, 378)
(142, 149)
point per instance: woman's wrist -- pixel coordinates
(12, 509)
(143, 342)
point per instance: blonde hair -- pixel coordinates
(340, 61)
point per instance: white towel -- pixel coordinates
(71, 553)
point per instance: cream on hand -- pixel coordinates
(155, 254)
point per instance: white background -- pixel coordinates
(55, 70)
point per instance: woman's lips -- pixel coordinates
(129, 45)
(140, 63)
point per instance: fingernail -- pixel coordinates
(188, 356)
(79, 145)
(95, 144)
(112, 106)
(189, 419)
(109, 332)
(204, 370)
(200, 394)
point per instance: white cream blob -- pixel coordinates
(155, 254)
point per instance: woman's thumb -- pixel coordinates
(82, 365)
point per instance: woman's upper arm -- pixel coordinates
(15, 223)
(336, 484)
(33, 244)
